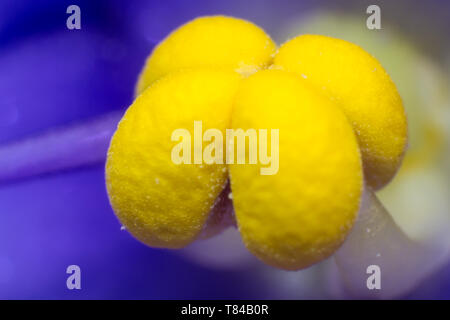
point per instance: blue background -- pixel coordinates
(51, 76)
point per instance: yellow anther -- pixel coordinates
(218, 41)
(357, 82)
(171, 211)
(303, 213)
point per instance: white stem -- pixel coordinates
(377, 240)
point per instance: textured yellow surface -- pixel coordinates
(357, 82)
(161, 203)
(335, 108)
(302, 214)
(209, 41)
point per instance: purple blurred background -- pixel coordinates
(51, 76)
